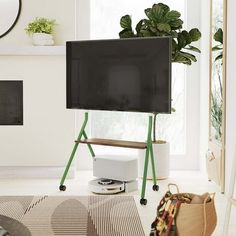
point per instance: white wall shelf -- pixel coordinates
(7, 50)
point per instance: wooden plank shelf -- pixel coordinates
(114, 143)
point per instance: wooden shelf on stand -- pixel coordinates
(115, 143)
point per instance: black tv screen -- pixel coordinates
(119, 74)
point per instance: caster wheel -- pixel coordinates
(143, 201)
(155, 187)
(62, 188)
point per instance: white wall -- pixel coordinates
(47, 136)
(84, 159)
(192, 91)
(62, 11)
(230, 90)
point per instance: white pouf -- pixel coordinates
(122, 168)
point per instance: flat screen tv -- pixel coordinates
(119, 74)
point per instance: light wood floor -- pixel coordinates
(187, 181)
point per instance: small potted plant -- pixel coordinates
(41, 31)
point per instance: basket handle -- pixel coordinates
(212, 196)
(174, 185)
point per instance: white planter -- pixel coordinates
(42, 39)
(161, 153)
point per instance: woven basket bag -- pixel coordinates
(196, 219)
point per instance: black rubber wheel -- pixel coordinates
(155, 187)
(62, 188)
(143, 201)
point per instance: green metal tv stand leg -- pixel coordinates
(82, 132)
(149, 151)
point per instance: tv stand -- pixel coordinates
(83, 138)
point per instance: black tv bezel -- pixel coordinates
(69, 105)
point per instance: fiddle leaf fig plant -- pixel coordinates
(161, 21)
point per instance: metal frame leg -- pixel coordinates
(145, 177)
(149, 150)
(153, 166)
(89, 145)
(81, 133)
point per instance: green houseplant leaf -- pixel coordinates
(195, 34)
(218, 36)
(126, 22)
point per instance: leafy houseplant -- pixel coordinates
(41, 30)
(161, 21)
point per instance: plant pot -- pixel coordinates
(42, 39)
(161, 151)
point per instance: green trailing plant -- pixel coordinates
(161, 21)
(40, 25)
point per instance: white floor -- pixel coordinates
(187, 181)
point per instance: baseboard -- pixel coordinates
(31, 172)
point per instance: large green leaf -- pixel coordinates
(157, 12)
(192, 48)
(181, 59)
(126, 33)
(139, 26)
(164, 7)
(218, 36)
(164, 27)
(146, 33)
(188, 55)
(195, 34)
(181, 41)
(172, 15)
(187, 37)
(126, 22)
(150, 14)
(176, 24)
(174, 34)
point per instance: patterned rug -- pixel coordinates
(82, 215)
